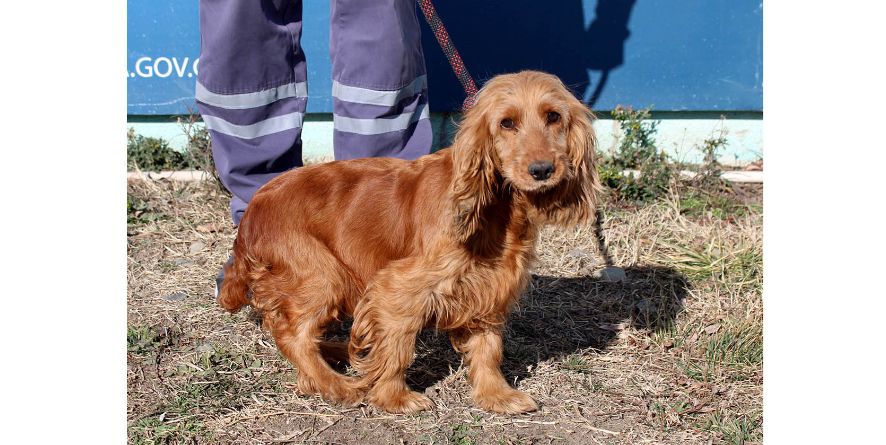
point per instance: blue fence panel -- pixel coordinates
(686, 55)
(164, 48)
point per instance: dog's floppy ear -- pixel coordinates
(473, 170)
(576, 201)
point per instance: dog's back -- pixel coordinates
(335, 223)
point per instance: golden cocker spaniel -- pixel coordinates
(445, 241)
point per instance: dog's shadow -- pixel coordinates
(560, 316)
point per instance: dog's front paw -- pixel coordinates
(404, 402)
(507, 401)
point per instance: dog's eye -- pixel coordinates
(507, 123)
(553, 117)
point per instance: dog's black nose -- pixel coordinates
(541, 170)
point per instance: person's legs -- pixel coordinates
(252, 91)
(380, 99)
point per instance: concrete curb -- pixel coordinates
(198, 175)
(730, 175)
(743, 176)
(180, 175)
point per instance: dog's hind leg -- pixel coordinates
(300, 344)
(298, 323)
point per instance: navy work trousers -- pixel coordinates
(252, 86)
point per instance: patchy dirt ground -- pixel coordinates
(673, 355)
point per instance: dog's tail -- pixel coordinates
(233, 293)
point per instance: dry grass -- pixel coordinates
(673, 355)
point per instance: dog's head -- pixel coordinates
(530, 131)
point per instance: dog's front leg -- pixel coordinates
(483, 350)
(386, 323)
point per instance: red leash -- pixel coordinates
(467, 82)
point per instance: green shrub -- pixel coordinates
(152, 154)
(709, 171)
(636, 151)
(637, 144)
(155, 154)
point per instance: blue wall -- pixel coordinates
(689, 55)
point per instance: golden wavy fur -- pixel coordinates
(443, 241)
